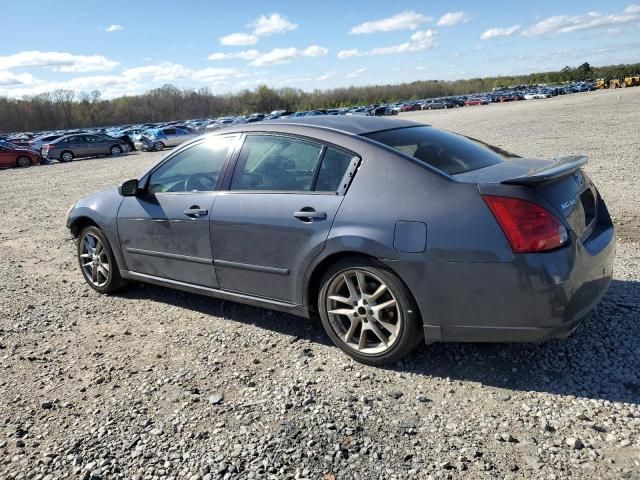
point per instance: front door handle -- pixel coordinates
(308, 213)
(195, 211)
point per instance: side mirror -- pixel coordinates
(129, 188)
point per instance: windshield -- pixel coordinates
(448, 152)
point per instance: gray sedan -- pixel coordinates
(390, 231)
(66, 148)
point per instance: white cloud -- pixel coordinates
(349, 53)
(499, 32)
(58, 61)
(263, 27)
(315, 51)
(324, 77)
(114, 28)
(407, 20)
(163, 72)
(357, 73)
(214, 74)
(238, 39)
(274, 23)
(244, 55)
(12, 79)
(587, 21)
(452, 18)
(274, 57)
(420, 40)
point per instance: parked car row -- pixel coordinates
(32, 148)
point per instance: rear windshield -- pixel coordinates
(448, 152)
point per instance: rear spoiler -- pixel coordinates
(561, 167)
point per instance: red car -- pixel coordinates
(475, 101)
(14, 156)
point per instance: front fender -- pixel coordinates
(100, 209)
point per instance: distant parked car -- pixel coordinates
(15, 156)
(168, 137)
(66, 148)
(475, 101)
(535, 95)
(437, 104)
(38, 142)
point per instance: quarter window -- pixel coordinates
(269, 162)
(334, 166)
(196, 169)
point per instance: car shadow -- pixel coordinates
(600, 360)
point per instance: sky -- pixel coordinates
(128, 47)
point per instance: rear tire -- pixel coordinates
(368, 312)
(23, 162)
(97, 263)
(115, 150)
(66, 156)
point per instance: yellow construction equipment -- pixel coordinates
(632, 81)
(617, 83)
(602, 83)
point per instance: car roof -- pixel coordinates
(352, 124)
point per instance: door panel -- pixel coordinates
(261, 247)
(158, 238)
(7, 159)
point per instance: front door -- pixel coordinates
(7, 157)
(277, 215)
(164, 231)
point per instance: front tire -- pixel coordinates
(115, 150)
(23, 162)
(97, 262)
(158, 147)
(368, 312)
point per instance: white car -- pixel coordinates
(534, 95)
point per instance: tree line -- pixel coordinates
(63, 109)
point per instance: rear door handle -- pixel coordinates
(195, 212)
(309, 214)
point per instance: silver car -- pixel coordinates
(169, 137)
(66, 148)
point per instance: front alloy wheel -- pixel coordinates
(97, 262)
(369, 313)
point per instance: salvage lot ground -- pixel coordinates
(155, 383)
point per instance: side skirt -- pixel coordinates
(293, 309)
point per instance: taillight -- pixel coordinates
(529, 228)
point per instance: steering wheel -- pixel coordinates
(199, 182)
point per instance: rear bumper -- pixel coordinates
(532, 298)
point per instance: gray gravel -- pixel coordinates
(154, 383)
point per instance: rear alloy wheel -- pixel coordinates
(66, 156)
(368, 312)
(23, 162)
(158, 146)
(97, 263)
(116, 150)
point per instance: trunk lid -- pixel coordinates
(560, 182)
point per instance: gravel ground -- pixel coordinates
(154, 383)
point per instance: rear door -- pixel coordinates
(276, 216)
(171, 137)
(164, 231)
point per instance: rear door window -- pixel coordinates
(277, 163)
(445, 151)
